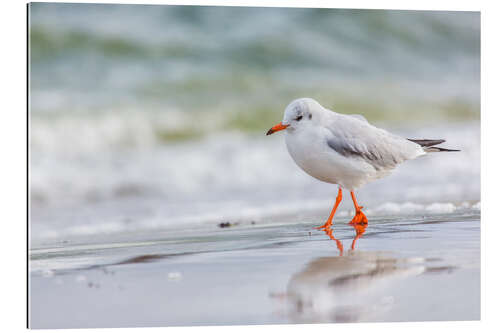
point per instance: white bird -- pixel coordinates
(344, 149)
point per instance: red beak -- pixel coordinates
(276, 128)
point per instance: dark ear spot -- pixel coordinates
(310, 116)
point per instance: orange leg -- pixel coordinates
(330, 218)
(360, 216)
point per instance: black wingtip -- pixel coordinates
(427, 142)
(444, 149)
(429, 145)
(437, 149)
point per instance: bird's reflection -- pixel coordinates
(346, 288)
(360, 229)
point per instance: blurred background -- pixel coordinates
(145, 117)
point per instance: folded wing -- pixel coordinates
(355, 138)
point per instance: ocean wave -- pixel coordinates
(234, 177)
(230, 162)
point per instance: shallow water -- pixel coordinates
(406, 268)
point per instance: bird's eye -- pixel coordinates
(298, 118)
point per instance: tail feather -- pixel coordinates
(428, 145)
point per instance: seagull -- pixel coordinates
(344, 149)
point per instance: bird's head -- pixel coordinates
(299, 112)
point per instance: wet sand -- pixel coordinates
(402, 268)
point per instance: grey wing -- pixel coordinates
(353, 138)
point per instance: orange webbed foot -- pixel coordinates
(359, 218)
(324, 226)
